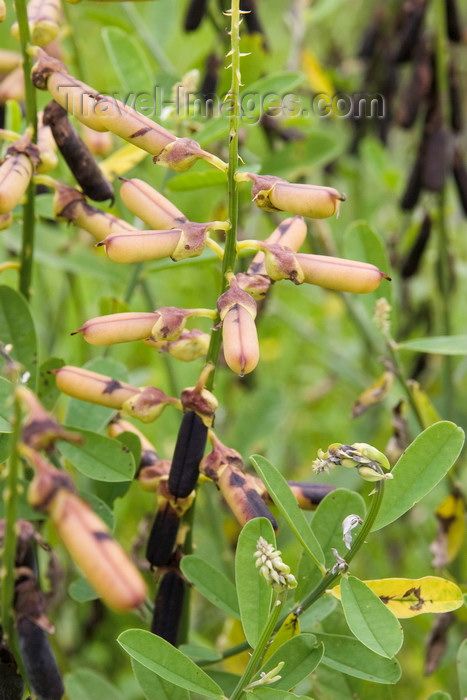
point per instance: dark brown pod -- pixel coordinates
(309, 495)
(416, 90)
(455, 100)
(413, 258)
(168, 607)
(194, 14)
(410, 29)
(188, 453)
(210, 80)
(414, 185)
(76, 154)
(41, 668)
(371, 36)
(453, 21)
(11, 684)
(252, 21)
(163, 536)
(460, 176)
(435, 159)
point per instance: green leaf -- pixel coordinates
(84, 684)
(6, 405)
(272, 694)
(317, 612)
(169, 663)
(130, 63)
(437, 345)
(227, 681)
(199, 653)
(300, 157)
(348, 655)
(196, 180)
(17, 329)
(82, 414)
(273, 85)
(254, 594)
(301, 655)
(133, 443)
(154, 687)
(461, 661)
(99, 457)
(369, 619)
(211, 583)
(47, 390)
(81, 590)
(425, 462)
(361, 242)
(439, 695)
(100, 508)
(285, 501)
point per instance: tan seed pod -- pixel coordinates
(2, 10)
(243, 500)
(339, 274)
(117, 328)
(93, 387)
(16, 172)
(275, 194)
(240, 340)
(153, 208)
(9, 60)
(44, 17)
(12, 86)
(47, 146)
(100, 143)
(141, 246)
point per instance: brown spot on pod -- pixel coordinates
(188, 453)
(244, 501)
(94, 387)
(168, 607)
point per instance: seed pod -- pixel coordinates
(2, 10)
(16, 172)
(153, 208)
(414, 184)
(275, 194)
(417, 89)
(188, 453)
(9, 60)
(148, 404)
(372, 35)
(208, 87)
(117, 328)
(93, 387)
(252, 20)
(70, 205)
(455, 100)
(39, 661)
(141, 246)
(309, 495)
(44, 18)
(436, 157)
(47, 147)
(41, 430)
(169, 322)
(12, 86)
(241, 497)
(11, 683)
(163, 536)
(339, 274)
(194, 14)
(460, 176)
(168, 607)
(100, 143)
(453, 21)
(412, 261)
(410, 29)
(240, 340)
(76, 154)
(189, 346)
(290, 233)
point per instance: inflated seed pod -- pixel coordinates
(453, 21)
(194, 14)
(117, 328)
(242, 497)
(460, 176)
(11, 683)
(12, 86)
(39, 661)
(414, 256)
(44, 18)
(152, 207)
(308, 494)
(290, 233)
(189, 346)
(47, 147)
(70, 205)
(168, 607)
(16, 172)
(76, 154)
(188, 453)
(237, 312)
(9, 60)
(141, 246)
(275, 194)
(93, 387)
(410, 29)
(340, 274)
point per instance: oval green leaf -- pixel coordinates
(81, 590)
(272, 694)
(17, 329)
(285, 501)
(6, 404)
(156, 688)
(348, 655)
(99, 457)
(437, 345)
(301, 655)
(369, 619)
(84, 684)
(130, 63)
(211, 583)
(169, 663)
(254, 594)
(47, 390)
(425, 462)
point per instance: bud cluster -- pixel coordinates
(272, 568)
(371, 464)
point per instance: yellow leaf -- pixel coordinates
(122, 161)
(317, 78)
(374, 394)
(407, 597)
(427, 411)
(451, 530)
(289, 629)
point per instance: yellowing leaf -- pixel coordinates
(451, 530)
(122, 161)
(406, 597)
(289, 629)
(374, 394)
(427, 411)
(317, 78)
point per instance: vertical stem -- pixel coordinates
(27, 246)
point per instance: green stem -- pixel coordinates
(230, 250)
(257, 655)
(27, 246)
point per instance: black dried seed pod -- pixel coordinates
(309, 495)
(77, 155)
(11, 684)
(210, 80)
(414, 185)
(370, 39)
(195, 13)
(168, 607)
(410, 29)
(163, 536)
(455, 101)
(416, 90)
(414, 257)
(454, 25)
(435, 159)
(460, 176)
(188, 453)
(41, 668)
(252, 20)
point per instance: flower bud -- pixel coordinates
(271, 566)
(189, 346)
(340, 274)
(202, 402)
(12, 86)
(290, 233)
(148, 404)
(169, 322)
(47, 147)
(275, 194)
(44, 18)
(153, 208)
(93, 387)
(117, 328)
(282, 263)
(16, 172)
(141, 246)
(70, 205)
